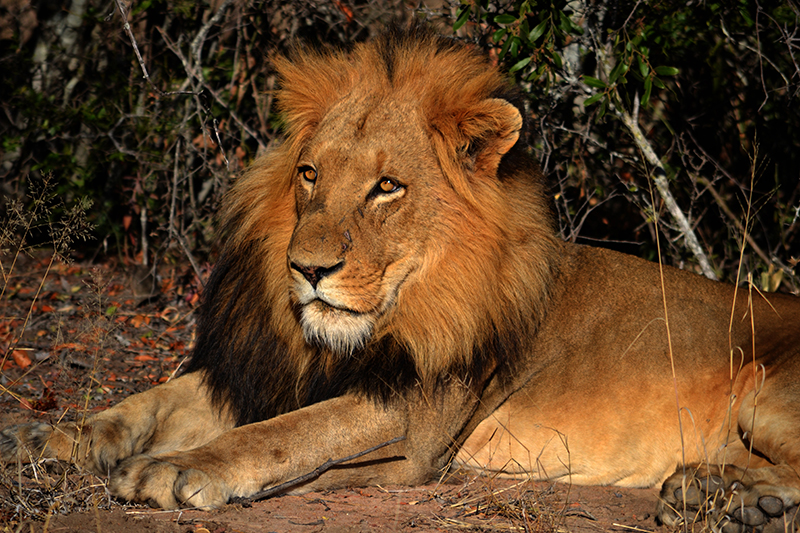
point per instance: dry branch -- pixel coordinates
(321, 469)
(127, 27)
(660, 179)
(659, 175)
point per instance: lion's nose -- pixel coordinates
(314, 274)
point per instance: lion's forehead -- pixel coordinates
(372, 124)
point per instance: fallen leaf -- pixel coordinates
(138, 320)
(21, 358)
(70, 346)
(25, 403)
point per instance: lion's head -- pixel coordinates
(401, 207)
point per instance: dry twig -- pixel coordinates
(321, 469)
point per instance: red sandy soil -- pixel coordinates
(93, 338)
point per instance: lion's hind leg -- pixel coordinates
(756, 483)
(731, 499)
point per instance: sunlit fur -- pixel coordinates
(476, 296)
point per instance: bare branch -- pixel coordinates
(194, 73)
(127, 27)
(321, 469)
(197, 43)
(659, 175)
(660, 179)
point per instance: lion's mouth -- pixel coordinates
(340, 329)
(332, 309)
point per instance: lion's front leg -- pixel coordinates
(250, 458)
(175, 416)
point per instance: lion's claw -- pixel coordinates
(165, 484)
(726, 503)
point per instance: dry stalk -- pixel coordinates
(321, 469)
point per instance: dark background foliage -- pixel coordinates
(713, 87)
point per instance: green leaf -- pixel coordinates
(667, 71)
(110, 310)
(564, 23)
(658, 83)
(619, 70)
(537, 31)
(499, 34)
(556, 59)
(462, 16)
(505, 19)
(143, 6)
(514, 46)
(520, 64)
(746, 16)
(648, 86)
(592, 99)
(603, 107)
(594, 82)
(524, 30)
(567, 25)
(539, 72)
(504, 49)
(644, 70)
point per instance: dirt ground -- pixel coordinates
(89, 336)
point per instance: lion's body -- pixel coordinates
(602, 407)
(391, 270)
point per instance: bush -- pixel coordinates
(155, 154)
(711, 88)
(700, 99)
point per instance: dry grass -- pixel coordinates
(486, 503)
(41, 490)
(46, 487)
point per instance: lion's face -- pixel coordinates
(365, 188)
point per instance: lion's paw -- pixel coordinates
(166, 484)
(25, 443)
(97, 446)
(728, 501)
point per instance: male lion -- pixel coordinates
(392, 270)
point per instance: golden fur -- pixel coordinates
(391, 270)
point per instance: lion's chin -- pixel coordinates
(340, 330)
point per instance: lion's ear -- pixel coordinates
(490, 129)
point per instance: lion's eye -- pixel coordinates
(308, 174)
(388, 185)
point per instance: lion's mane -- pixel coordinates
(483, 293)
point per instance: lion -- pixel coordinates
(391, 273)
